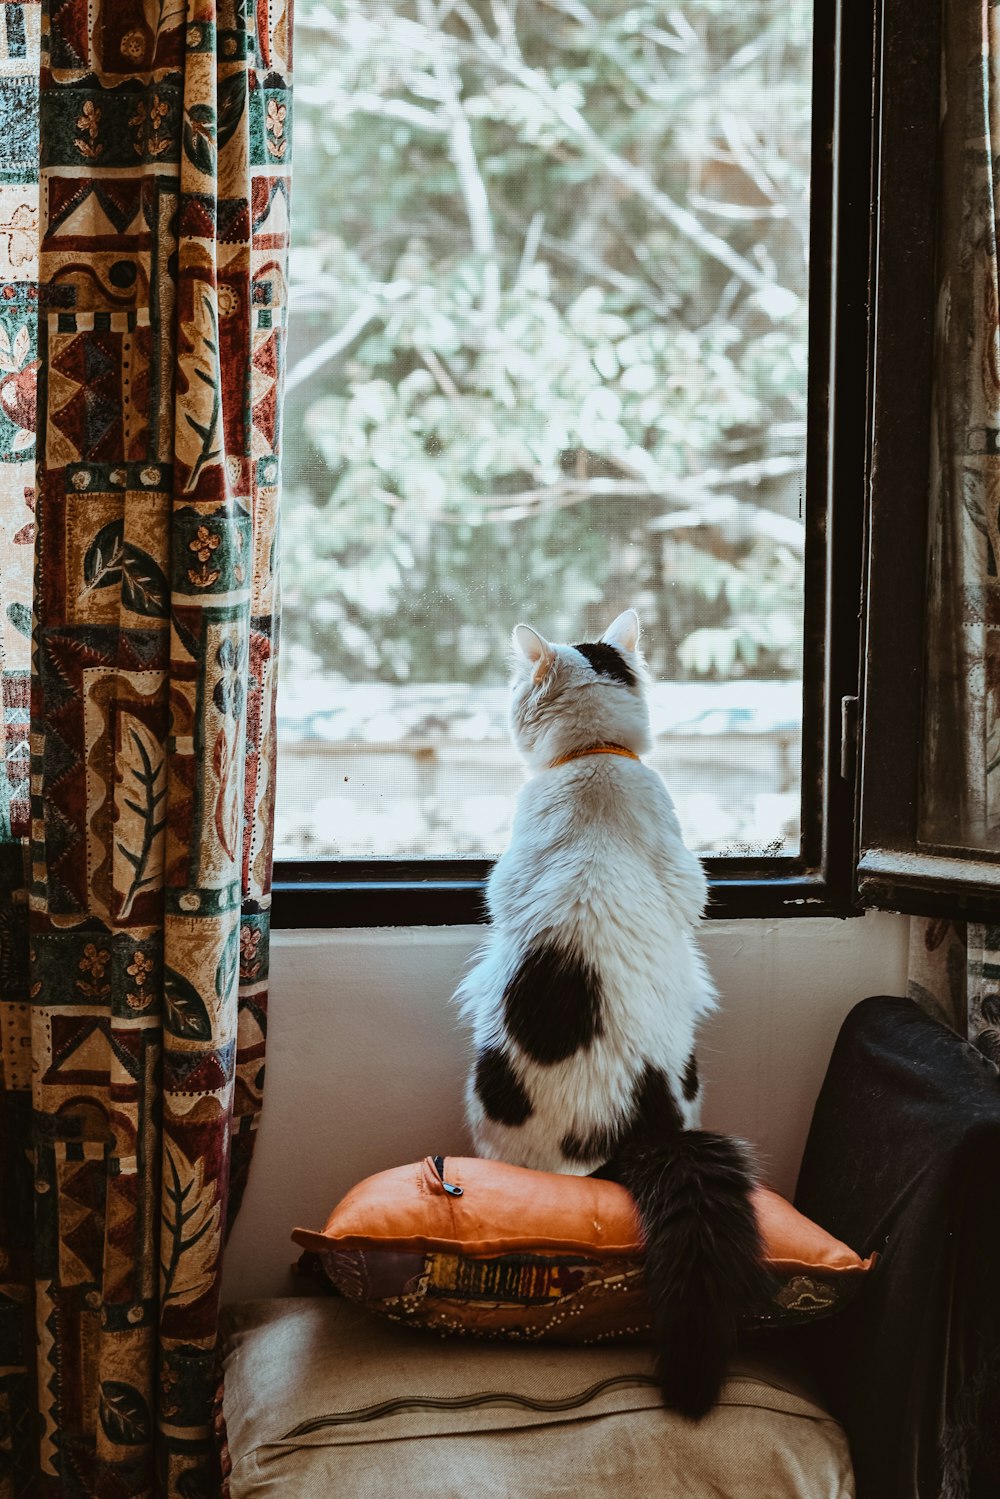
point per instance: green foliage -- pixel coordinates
(549, 306)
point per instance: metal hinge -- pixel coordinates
(848, 737)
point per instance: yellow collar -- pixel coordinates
(594, 749)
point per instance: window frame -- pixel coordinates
(820, 881)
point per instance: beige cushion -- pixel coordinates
(323, 1401)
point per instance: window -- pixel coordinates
(561, 340)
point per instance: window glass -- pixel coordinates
(547, 359)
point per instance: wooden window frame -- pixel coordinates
(895, 871)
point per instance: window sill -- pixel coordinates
(348, 895)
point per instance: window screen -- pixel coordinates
(547, 358)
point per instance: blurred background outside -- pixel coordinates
(547, 358)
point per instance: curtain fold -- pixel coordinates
(134, 1014)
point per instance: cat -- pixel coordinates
(585, 999)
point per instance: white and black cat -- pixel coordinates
(585, 1000)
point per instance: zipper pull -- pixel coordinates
(449, 1187)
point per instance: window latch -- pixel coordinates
(848, 737)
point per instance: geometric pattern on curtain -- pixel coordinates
(165, 163)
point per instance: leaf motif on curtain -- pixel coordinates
(141, 770)
(189, 1246)
(111, 561)
(229, 969)
(199, 137)
(227, 807)
(202, 333)
(124, 1414)
(232, 105)
(144, 588)
(187, 1013)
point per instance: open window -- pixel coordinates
(579, 319)
(929, 793)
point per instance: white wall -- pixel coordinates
(365, 1063)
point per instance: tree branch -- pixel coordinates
(661, 302)
(362, 319)
(532, 239)
(739, 212)
(437, 368)
(697, 505)
(342, 106)
(463, 153)
(623, 171)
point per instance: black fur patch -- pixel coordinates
(599, 1145)
(655, 1115)
(653, 1119)
(607, 662)
(500, 1090)
(553, 1004)
(689, 1082)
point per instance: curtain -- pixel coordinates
(19, 52)
(954, 970)
(937, 970)
(960, 797)
(134, 949)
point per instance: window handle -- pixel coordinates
(848, 737)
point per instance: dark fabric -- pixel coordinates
(902, 1158)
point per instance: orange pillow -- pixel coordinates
(476, 1246)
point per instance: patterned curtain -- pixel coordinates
(954, 970)
(960, 801)
(19, 52)
(954, 974)
(937, 970)
(133, 1014)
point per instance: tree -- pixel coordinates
(549, 330)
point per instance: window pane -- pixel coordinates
(547, 358)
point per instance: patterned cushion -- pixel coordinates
(479, 1247)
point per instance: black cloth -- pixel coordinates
(903, 1158)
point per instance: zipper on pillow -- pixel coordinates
(449, 1187)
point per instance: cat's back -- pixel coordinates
(590, 839)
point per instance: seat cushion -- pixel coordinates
(322, 1399)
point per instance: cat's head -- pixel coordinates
(569, 697)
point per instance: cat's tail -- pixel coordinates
(704, 1257)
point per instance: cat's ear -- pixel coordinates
(535, 649)
(623, 632)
